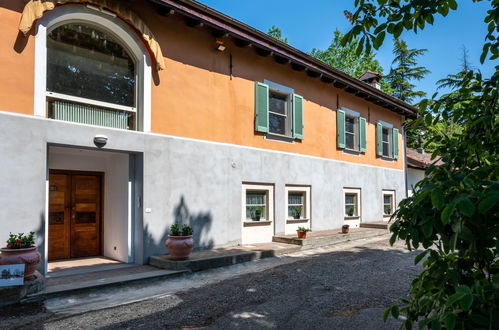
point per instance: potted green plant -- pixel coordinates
(179, 243)
(257, 213)
(21, 249)
(296, 212)
(302, 232)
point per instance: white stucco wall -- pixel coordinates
(178, 180)
(413, 177)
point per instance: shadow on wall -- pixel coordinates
(200, 223)
(40, 241)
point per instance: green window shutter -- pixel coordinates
(362, 134)
(379, 139)
(340, 123)
(395, 135)
(297, 116)
(261, 107)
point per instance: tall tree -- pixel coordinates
(406, 70)
(453, 212)
(275, 32)
(347, 60)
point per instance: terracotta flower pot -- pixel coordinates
(30, 257)
(179, 247)
(345, 229)
(301, 234)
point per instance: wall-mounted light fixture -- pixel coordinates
(100, 140)
(220, 45)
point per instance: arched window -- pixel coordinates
(96, 71)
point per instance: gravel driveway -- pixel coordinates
(343, 288)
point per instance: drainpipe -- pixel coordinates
(404, 125)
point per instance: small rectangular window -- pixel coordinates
(256, 205)
(388, 203)
(279, 113)
(296, 205)
(351, 133)
(386, 141)
(351, 205)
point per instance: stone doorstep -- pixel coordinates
(376, 225)
(319, 241)
(74, 286)
(196, 264)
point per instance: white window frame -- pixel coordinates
(116, 28)
(306, 212)
(389, 127)
(389, 193)
(288, 92)
(269, 194)
(288, 120)
(356, 141)
(353, 221)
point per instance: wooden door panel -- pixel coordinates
(85, 217)
(59, 213)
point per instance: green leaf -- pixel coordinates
(454, 298)
(453, 4)
(395, 311)
(393, 238)
(466, 302)
(450, 321)
(466, 207)
(464, 289)
(427, 229)
(485, 50)
(437, 198)
(446, 213)
(488, 202)
(419, 257)
(386, 313)
(378, 41)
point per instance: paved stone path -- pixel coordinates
(343, 287)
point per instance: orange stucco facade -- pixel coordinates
(202, 95)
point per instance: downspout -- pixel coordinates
(404, 125)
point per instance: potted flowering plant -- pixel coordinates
(179, 243)
(21, 249)
(302, 232)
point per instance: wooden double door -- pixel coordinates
(75, 214)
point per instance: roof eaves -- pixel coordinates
(241, 30)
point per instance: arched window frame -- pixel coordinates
(109, 24)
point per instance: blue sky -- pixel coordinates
(311, 26)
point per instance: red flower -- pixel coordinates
(18, 241)
(9, 246)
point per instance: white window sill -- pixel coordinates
(296, 220)
(352, 152)
(261, 222)
(279, 138)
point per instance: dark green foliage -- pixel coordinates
(453, 214)
(303, 229)
(275, 32)
(405, 71)
(346, 59)
(21, 241)
(175, 230)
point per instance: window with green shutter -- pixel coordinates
(351, 130)
(387, 140)
(278, 111)
(297, 116)
(261, 107)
